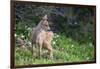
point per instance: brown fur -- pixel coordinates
(47, 42)
(41, 37)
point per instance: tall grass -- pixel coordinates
(65, 50)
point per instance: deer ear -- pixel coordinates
(45, 17)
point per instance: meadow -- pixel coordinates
(66, 50)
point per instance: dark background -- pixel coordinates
(74, 22)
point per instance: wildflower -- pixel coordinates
(22, 36)
(28, 28)
(15, 35)
(87, 58)
(29, 43)
(72, 45)
(57, 36)
(54, 42)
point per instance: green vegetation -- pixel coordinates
(65, 50)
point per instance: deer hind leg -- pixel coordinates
(50, 51)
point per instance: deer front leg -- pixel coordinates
(40, 49)
(33, 49)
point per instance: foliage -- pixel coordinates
(65, 50)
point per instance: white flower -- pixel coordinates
(28, 28)
(87, 58)
(57, 36)
(15, 35)
(54, 42)
(22, 36)
(30, 43)
(72, 45)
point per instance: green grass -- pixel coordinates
(65, 50)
